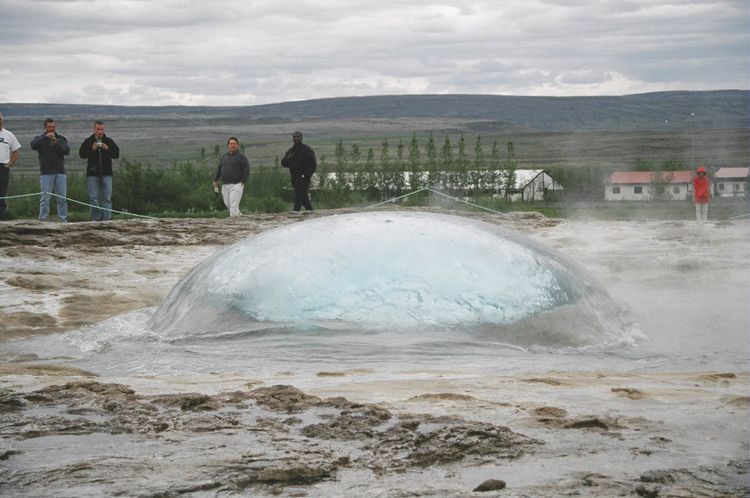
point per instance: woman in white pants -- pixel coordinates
(233, 171)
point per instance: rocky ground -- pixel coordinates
(277, 440)
(68, 432)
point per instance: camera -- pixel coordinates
(99, 144)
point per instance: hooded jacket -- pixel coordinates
(701, 188)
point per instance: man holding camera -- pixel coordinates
(52, 149)
(99, 150)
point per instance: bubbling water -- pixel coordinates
(401, 271)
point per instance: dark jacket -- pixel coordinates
(300, 159)
(51, 157)
(233, 168)
(99, 161)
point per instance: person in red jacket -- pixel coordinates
(701, 194)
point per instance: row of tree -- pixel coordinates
(409, 167)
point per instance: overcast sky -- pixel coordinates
(245, 52)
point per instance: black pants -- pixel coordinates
(301, 197)
(4, 177)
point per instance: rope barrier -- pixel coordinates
(80, 203)
(392, 199)
(21, 195)
(456, 199)
(396, 198)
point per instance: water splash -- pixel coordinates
(392, 271)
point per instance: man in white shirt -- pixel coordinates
(9, 148)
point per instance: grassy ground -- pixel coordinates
(722, 209)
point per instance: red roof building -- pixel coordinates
(648, 185)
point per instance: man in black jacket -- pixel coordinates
(99, 150)
(300, 159)
(52, 148)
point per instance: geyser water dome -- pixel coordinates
(392, 271)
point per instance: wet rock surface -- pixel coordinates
(254, 443)
(490, 485)
(193, 231)
(108, 438)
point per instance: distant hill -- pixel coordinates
(721, 109)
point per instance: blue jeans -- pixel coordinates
(57, 184)
(100, 195)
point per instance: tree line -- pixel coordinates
(398, 168)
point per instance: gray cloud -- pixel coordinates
(233, 52)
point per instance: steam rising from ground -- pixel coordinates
(376, 271)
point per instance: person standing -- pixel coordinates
(99, 150)
(701, 194)
(300, 159)
(9, 152)
(52, 148)
(233, 170)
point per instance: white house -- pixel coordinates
(648, 185)
(535, 185)
(731, 182)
